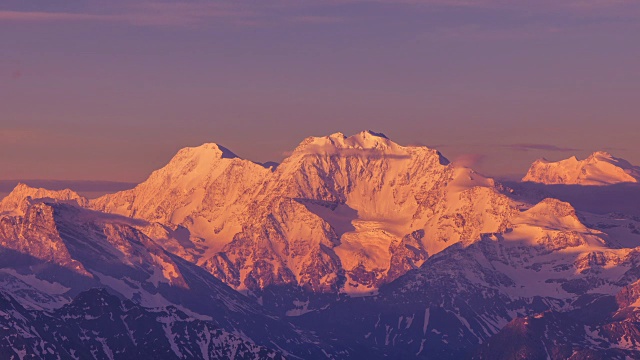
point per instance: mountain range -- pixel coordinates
(354, 247)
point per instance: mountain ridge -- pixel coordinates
(372, 210)
(339, 187)
(351, 176)
(599, 168)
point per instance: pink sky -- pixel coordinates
(110, 90)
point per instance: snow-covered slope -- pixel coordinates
(203, 188)
(350, 213)
(600, 168)
(13, 201)
(51, 251)
(460, 298)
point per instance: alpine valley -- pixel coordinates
(351, 248)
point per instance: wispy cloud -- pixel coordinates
(539, 147)
(430, 146)
(614, 148)
(484, 32)
(41, 16)
(188, 13)
(469, 160)
(142, 13)
(199, 12)
(494, 4)
(539, 14)
(317, 19)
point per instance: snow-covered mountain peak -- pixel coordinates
(360, 144)
(370, 140)
(208, 149)
(366, 145)
(201, 157)
(603, 156)
(554, 208)
(22, 192)
(204, 188)
(599, 168)
(367, 135)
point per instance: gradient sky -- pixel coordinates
(110, 90)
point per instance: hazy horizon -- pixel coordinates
(469, 159)
(477, 161)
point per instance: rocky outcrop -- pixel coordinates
(97, 324)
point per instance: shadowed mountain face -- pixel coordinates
(462, 304)
(50, 251)
(353, 247)
(97, 324)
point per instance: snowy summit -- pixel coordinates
(600, 168)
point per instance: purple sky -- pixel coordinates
(110, 90)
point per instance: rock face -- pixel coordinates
(559, 335)
(98, 325)
(600, 168)
(604, 327)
